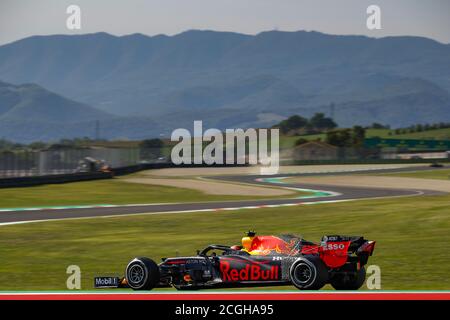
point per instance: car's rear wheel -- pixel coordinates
(349, 282)
(142, 274)
(308, 273)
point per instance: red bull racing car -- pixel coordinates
(259, 261)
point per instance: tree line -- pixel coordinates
(420, 128)
(296, 124)
(353, 137)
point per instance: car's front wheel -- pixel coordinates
(142, 274)
(308, 273)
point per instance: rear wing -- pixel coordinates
(336, 249)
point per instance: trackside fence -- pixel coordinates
(26, 163)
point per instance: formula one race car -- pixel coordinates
(259, 261)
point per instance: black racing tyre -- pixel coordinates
(142, 274)
(349, 282)
(308, 273)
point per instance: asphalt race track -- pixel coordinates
(338, 193)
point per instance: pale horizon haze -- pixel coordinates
(23, 18)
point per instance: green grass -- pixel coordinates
(438, 134)
(411, 233)
(439, 174)
(112, 191)
(287, 142)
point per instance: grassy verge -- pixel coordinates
(411, 235)
(287, 142)
(114, 191)
(439, 174)
(437, 134)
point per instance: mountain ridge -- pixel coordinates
(238, 79)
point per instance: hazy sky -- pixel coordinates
(23, 18)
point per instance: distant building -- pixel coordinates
(315, 150)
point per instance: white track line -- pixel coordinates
(212, 210)
(331, 193)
